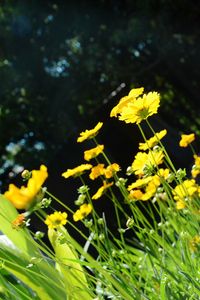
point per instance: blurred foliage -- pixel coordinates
(61, 61)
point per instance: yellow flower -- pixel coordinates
(149, 186)
(141, 108)
(101, 190)
(139, 195)
(134, 93)
(194, 243)
(152, 186)
(89, 154)
(82, 212)
(186, 189)
(23, 197)
(180, 204)
(196, 167)
(135, 195)
(56, 219)
(97, 171)
(139, 183)
(164, 173)
(148, 195)
(89, 134)
(77, 171)
(111, 170)
(153, 141)
(146, 160)
(186, 139)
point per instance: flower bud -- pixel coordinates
(130, 223)
(83, 189)
(26, 175)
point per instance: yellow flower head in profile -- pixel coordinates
(97, 171)
(56, 219)
(141, 108)
(133, 94)
(76, 171)
(139, 183)
(145, 160)
(186, 139)
(153, 141)
(148, 187)
(139, 195)
(82, 212)
(94, 152)
(23, 197)
(101, 190)
(196, 167)
(89, 134)
(111, 170)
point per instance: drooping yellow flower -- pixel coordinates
(186, 139)
(101, 190)
(89, 134)
(141, 108)
(94, 152)
(196, 167)
(82, 212)
(56, 219)
(133, 94)
(153, 141)
(111, 170)
(77, 171)
(139, 195)
(23, 197)
(139, 183)
(186, 189)
(146, 160)
(148, 187)
(97, 171)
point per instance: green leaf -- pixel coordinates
(20, 238)
(45, 282)
(162, 287)
(48, 282)
(68, 265)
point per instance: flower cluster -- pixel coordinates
(98, 170)
(156, 202)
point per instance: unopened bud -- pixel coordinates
(26, 175)
(129, 171)
(129, 223)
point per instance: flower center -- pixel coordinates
(143, 113)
